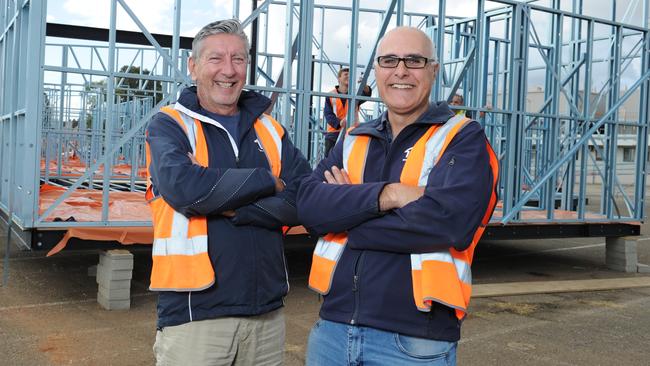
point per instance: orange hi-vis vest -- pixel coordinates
(180, 247)
(443, 276)
(341, 111)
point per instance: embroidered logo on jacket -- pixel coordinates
(406, 153)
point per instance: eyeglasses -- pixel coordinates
(411, 62)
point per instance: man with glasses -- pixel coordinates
(401, 203)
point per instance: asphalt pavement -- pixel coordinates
(49, 314)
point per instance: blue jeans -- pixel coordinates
(332, 344)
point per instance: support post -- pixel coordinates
(621, 253)
(114, 273)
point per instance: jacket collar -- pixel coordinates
(251, 105)
(437, 113)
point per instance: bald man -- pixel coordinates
(400, 204)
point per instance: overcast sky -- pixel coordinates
(157, 16)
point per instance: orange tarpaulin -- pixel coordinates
(86, 205)
(73, 167)
(124, 235)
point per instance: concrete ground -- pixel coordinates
(49, 314)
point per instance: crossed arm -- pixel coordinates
(392, 196)
(390, 216)
(246, 195)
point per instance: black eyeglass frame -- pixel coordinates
(404, 59)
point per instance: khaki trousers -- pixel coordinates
(253, 340)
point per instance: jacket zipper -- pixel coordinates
(286, 275)
(429, 322)
(386, 145)
(189, 304)
(355, 288)
(389, 149)
(255, 264)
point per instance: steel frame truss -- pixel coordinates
(549, 152)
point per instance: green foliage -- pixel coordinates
(126, 88)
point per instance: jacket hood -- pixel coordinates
(251, 104)
(437, 113)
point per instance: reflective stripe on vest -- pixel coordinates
(355, 153)
(270, 134)
(326, 255)
(180, 244)
(180, 248)
(330, 247)
(444, 276)
(438, 276)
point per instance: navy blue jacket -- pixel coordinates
(246, 251)
(372, 281)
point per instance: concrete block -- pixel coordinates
(92, 271)
(622, 246)
(115, 264)
(118, 254)
(113, 284)
(115, 275)
(642, 268)
(628, 268)
(622, 266)
(113, 304)
(621, 253)
(621, 257)
(114, 294)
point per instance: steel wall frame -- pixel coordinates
(545, 153)
(22, 26)
(538, 148)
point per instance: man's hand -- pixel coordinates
(343, 123)
(279, 184)
(229, 213)
(337, 176)
(398, 195)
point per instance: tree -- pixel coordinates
(128, 87)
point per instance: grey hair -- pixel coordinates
(228, 26)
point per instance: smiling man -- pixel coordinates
(401, 203)
(223, 180)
